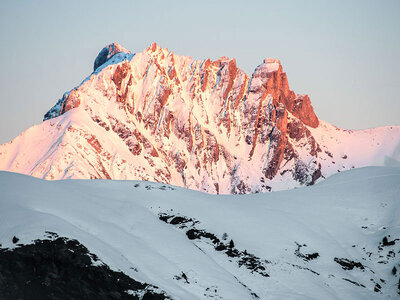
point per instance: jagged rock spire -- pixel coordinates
(107, 52)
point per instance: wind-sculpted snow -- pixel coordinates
(338, 239)
(200, 124)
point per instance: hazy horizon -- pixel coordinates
(345, 56)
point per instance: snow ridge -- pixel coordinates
(280, 245)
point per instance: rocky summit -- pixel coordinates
(200, 124)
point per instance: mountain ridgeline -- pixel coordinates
(201, 124)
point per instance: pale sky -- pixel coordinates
(344, 54)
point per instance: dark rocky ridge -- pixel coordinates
(63, 269)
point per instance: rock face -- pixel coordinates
(60, 268)
(205, 125)
(106, 53)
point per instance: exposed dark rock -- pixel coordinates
(252, 262)
(353, 282)
(15, 240)
(185, 277)
(391, 254)
(63, 269)
(315, 175)
(182, 276)
(232, 252)
(398, 287)
(101, 58)
(306, 257)
(164, 218)
(304, 268)
(348, 264)
(241, 188)
(178, 220)
(220, 247)
(386, 242)
(150, 296)
(248, 260)
(194, 233)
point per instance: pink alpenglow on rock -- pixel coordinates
(201, 124)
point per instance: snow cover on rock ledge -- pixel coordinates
(319, 242)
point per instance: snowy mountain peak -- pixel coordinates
(107, 52)
(156, 50)
(154, 47)
(272, 64)
(201, 124)
(225, 59)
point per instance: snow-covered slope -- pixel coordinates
(204, 125)
(338, 239)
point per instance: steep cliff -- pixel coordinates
(204, 125)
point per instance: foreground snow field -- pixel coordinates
(338, 239)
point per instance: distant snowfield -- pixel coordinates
(299, 242)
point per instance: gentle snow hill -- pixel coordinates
(326, 241)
